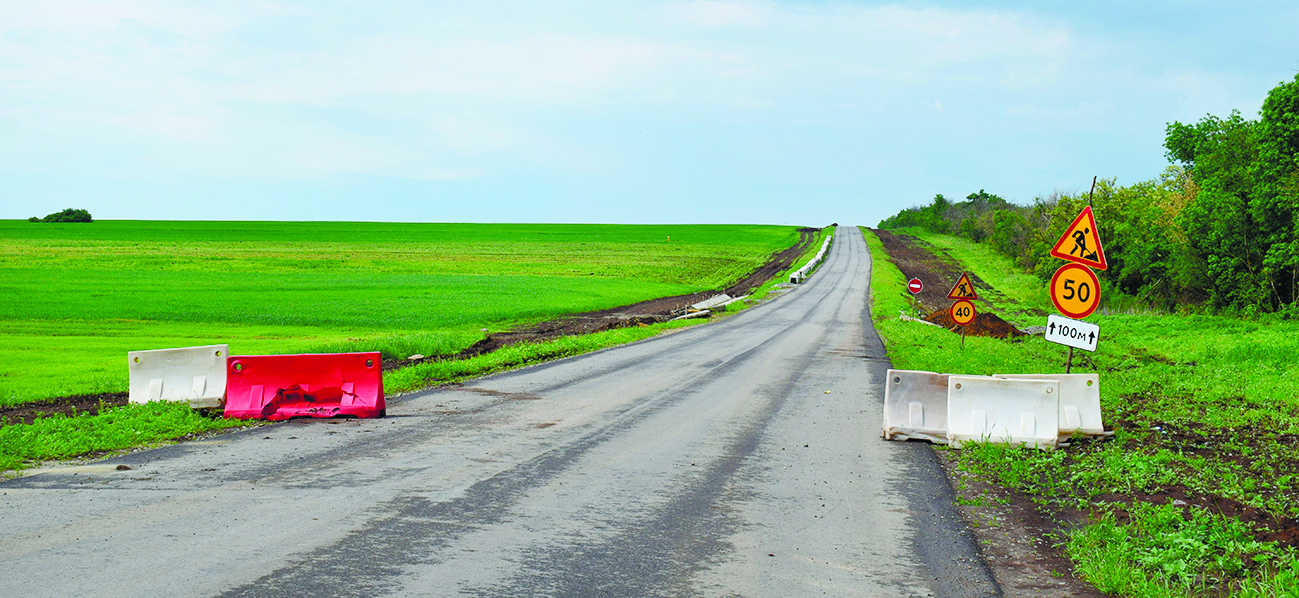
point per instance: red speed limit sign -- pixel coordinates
(915, 286)
(963, 313)
(1075, 290)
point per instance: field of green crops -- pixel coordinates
(1204, 408)
(79, 296)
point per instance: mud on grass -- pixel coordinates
(938, 270)
(1196, 492)
(26, 413)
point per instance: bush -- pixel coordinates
(34, 219)
(68, 215)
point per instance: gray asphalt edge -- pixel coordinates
(943, 540)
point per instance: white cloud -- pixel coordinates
(573, 90)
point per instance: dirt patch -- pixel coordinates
(984, 324)
(1019, 539)
(636, 314)
(1267, 528)
(936, 269)
(939, 273)
(1022, 541)
(26, 413)
(1254, 448)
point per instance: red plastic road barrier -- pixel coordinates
(277, 387)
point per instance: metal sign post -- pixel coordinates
(914, 286)
(1074, 289)
(963, 313)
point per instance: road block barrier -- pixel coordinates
(277, 387)
(1080, 402)
(1012, 411)
(915, 406)
(196, 375)
(798, 276)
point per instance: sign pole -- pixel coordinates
(915, 286)
(963, 340)
(1093, 192)
(1068, 365)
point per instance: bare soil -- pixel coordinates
(26, 413)
(939, 271)
(1197, 439)
(1020, 540)
(984, 324)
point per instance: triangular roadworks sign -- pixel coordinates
(1080, 242)
(963, 289)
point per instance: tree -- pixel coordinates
(68, 215)
(1220, 227)
(1276, 171)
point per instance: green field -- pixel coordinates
(1202, 406)
(79, 296)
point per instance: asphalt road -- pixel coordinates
(740, 458)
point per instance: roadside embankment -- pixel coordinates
(1192, 496)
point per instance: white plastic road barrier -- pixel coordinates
(915, 406)
(1080, 401)
(798, 276)
(1019, 411)
(193, 374)
(712, 302)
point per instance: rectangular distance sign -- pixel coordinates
(1072, 333)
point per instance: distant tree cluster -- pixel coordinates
(68, 215)
(1220, 226)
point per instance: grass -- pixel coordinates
(61, 436)
(1203, 406)
(191, 284)
(79, 296)
(783, 277)
(441, 372)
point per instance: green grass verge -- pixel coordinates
(79, 296)
(1202, 405)
(61, 436)
(783, 277)
(441, 372)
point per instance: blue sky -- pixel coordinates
(604, 111)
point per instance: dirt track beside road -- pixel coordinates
(939, 273)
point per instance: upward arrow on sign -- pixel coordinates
(1081, 243)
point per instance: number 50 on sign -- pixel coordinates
(1075, 291)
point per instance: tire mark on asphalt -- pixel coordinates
(684, 535)
(370, 561)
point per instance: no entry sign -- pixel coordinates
(915, 286)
